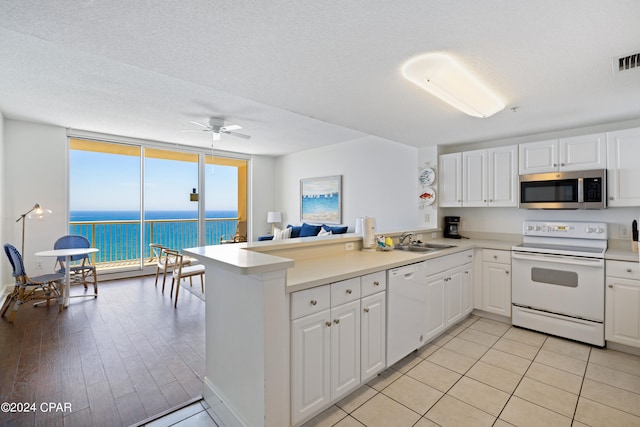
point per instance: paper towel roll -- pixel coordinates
(369, 233)
(359, 225)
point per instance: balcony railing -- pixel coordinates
(119, 241)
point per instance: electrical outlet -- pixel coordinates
(427, 218)
(39, 265)
(418, 237)
(623, 231)
(348, 246)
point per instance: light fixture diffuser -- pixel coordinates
(444, 77)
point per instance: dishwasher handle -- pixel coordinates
(558, 259)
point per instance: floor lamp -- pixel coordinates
(35, 212)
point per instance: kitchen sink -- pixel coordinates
(423, 247)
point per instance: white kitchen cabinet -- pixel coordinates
(467, 286)
(623, 173)
(372, 335)
(450, 180)
(582, 152)
(310, 364)
(622, 307)
(338, 336)
(490, 178)
(496, 282)
(436, 309)
(453, 295)
(345, 348)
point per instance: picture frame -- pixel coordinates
(321, 200)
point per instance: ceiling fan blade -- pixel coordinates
(199, 124)
(194, 130)
(231, 128)
(239, 135)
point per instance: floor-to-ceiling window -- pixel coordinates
(123, 197)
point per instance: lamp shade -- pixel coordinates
(38, 212)
(273, 217)
(444, 77)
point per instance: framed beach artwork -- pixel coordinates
(321, 199)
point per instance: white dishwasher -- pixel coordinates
(406, 310)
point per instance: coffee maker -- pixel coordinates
(451, 224)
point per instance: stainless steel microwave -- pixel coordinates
(564, 190)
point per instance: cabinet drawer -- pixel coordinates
(310, 301)
(623, 269)
(345, 291)
(373, 283)
(492, 255)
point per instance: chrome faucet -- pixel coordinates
(403, 236)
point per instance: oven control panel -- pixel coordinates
(572, 229)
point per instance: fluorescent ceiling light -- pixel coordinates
(445, 78)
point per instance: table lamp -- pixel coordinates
(36, 212)
(273, 218)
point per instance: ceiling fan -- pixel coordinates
(217, 126)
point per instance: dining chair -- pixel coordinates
(163, 263)
(182, 271)
(81, 270)
(39, 288)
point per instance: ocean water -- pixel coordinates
(118, 236)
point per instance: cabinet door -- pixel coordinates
(623, 174)
(467, 289)
(538, 157)
(453, 295)
(496, 288)
(310, 368)
(345, 348)
(622, 312)
(474, 178)
(372, 335)
(436, 308)
(583, 152)
(503, 176)
(450, 180)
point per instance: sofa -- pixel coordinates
(304, 230)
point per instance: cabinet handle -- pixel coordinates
(611, 286)
(336, 321)
(611, 198)
(349, 291)
(555, 165)
(469, 256)
(376, 283)
(366, 309)
(628, 270)
(561, 164)
(313, 302)
(328, 324)
(484, 201)
(506, 272)
(495, 257)
(466, 272)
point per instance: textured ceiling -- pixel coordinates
(297, 75)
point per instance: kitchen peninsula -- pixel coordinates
(249, 288)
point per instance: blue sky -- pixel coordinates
(100, 181)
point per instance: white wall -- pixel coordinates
(262, 194)
(379, 180)
(35, 172)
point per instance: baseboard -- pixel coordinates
(623, 348)
(219, 407)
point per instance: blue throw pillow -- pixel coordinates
(309, 230)
(295, 230)
(336, 230)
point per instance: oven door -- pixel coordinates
(569, 285)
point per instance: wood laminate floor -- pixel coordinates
(115, 360)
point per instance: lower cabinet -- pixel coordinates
(496, 282)
(622, 307)
(337, 341)
(449, 291)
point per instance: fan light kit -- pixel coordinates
(444, 77)
(217, 126)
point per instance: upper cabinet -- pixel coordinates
(450, 181)
(582, 152)
(623, 174)
(489, 177)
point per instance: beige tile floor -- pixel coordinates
(487, 373)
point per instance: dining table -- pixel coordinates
(68, 253)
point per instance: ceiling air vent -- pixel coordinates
(627, 62)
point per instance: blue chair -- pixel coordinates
(81, 270)
(40, 288)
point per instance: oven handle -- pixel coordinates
(559, 259)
